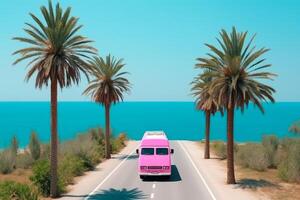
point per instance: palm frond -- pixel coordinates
(236, 71)
(109, 83)
(55, 48)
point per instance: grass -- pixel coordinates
(259, 166)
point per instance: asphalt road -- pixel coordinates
(123, 183)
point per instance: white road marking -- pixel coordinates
(152, 196)
(109, 175)
(153, 186)
(198, 172)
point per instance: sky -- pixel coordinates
(159, 41)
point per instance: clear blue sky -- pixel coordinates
(159, 40)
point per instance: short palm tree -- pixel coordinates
(236, 76)
(56, 53)
(206, 102)
(107, 88)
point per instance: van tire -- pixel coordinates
(142, 177)
(167, 177)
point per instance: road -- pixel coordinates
(123, 182)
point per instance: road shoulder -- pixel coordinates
(214, 174)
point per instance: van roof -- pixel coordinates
(154, 138)
(155, 135)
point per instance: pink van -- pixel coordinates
(154, 155)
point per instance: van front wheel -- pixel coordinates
(142, 177)
(167, 177)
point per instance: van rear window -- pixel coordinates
(147, 151)
(162, 151)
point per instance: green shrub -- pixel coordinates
(252, 156)
(289, 167)
(14, 146)
(7, 161)
(45, 151)
(96, 134)
(295, 127)
(41, 178)
(10, 190)
(86, 147)
(118, 143)
(24, 160)
(122, 138)
(219, 149)
(34, 146)
(69, 167)
(270, 144)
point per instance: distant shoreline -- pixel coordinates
(142, 101)
(180, 120)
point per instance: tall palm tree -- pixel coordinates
(56, 53)
(236, 80)
(206, 102)
(107, 88)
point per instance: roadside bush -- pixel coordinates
(295, 127)
(41, 178)
(118, 143)
(219, 149)
(14, 146)
(24, 160)
(289, 167)
(270, 144)
(122, 138)
(10, 190)
(7, 161)
(69, 167)
(86, 147)
(252, 156)
(34, 146)
(45, 151)
(96, 133)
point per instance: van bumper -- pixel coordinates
(155, 174)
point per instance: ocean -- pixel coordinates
(180, 120)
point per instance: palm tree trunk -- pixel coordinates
(207, 131)
(53, 155)
(230, 146)
(107, 131)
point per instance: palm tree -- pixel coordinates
(236, 80)
(206, 102)
(56, 53)
(107, 88)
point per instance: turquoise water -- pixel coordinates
(179, 120)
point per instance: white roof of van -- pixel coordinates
(155, 135)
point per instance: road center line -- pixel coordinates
(152, 196)
(198, 172)
(109, 175)
(153, 186)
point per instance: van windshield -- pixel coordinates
(147, 151)
(161, 151)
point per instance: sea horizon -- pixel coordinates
(179, 119)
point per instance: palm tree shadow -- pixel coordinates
(122, 194)
(175, 176)
(254, 184)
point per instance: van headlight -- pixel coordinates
(166, 167)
